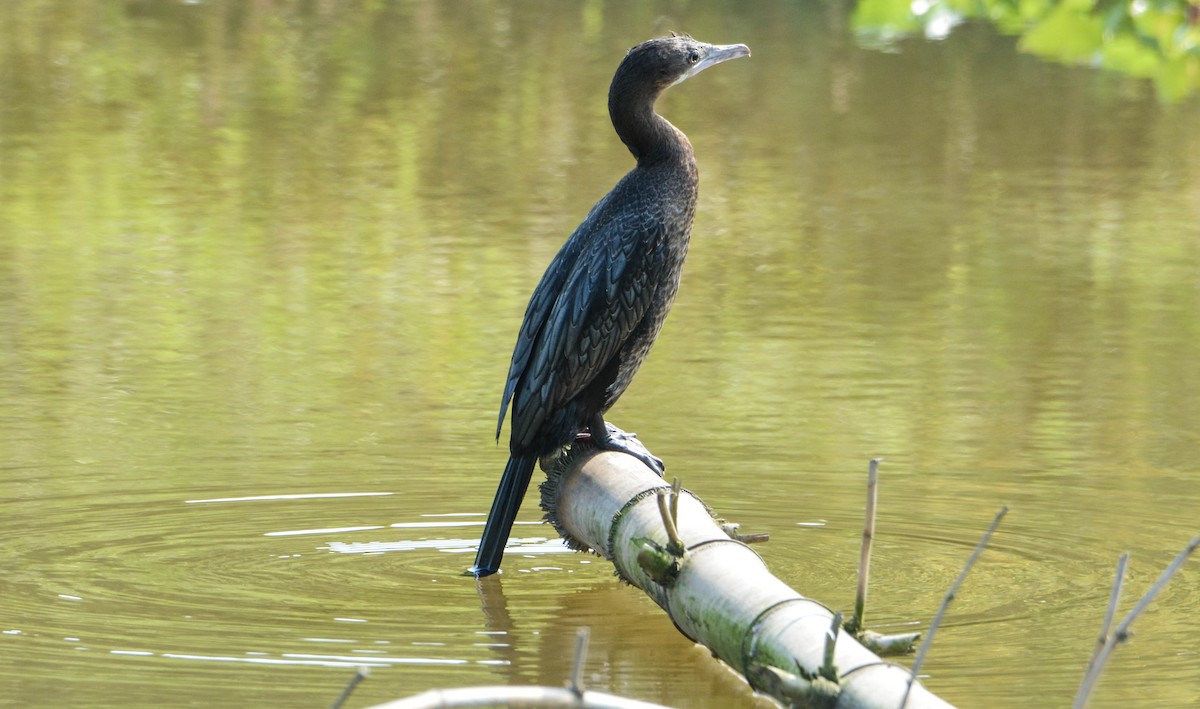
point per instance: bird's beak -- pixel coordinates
(713, 54)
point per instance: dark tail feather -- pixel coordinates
(509, 495)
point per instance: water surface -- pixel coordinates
(261, 266)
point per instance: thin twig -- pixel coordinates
(1123, 627)
(359, 676)
(828, 669)
(1122, 632)
(581, 645)
(937, 618)
(674, 544)
(1113, 599)
(864, 558)
(676, 490)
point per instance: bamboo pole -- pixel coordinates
(716, 589)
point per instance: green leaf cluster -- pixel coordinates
(1157, 40)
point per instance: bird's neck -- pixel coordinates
(650, 137)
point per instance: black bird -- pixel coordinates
(600, 304)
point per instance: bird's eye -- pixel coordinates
(693, 57)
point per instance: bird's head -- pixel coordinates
(666, 61)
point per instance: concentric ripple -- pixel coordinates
(268, 581)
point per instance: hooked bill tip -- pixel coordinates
(715, 54)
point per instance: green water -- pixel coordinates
(258, 260)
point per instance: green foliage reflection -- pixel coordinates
(1153, 39)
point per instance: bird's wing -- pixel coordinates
(536, 315)
(602, 299)
(548, 289)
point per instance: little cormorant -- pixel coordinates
(600, 304)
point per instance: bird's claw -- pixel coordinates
(614, 439)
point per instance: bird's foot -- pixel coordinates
(610, 438)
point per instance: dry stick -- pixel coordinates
(359, 676)
(581, 644)
(864, 558)
(1113, 599)
(1121, 633)
(882, 644)
(937, 618)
